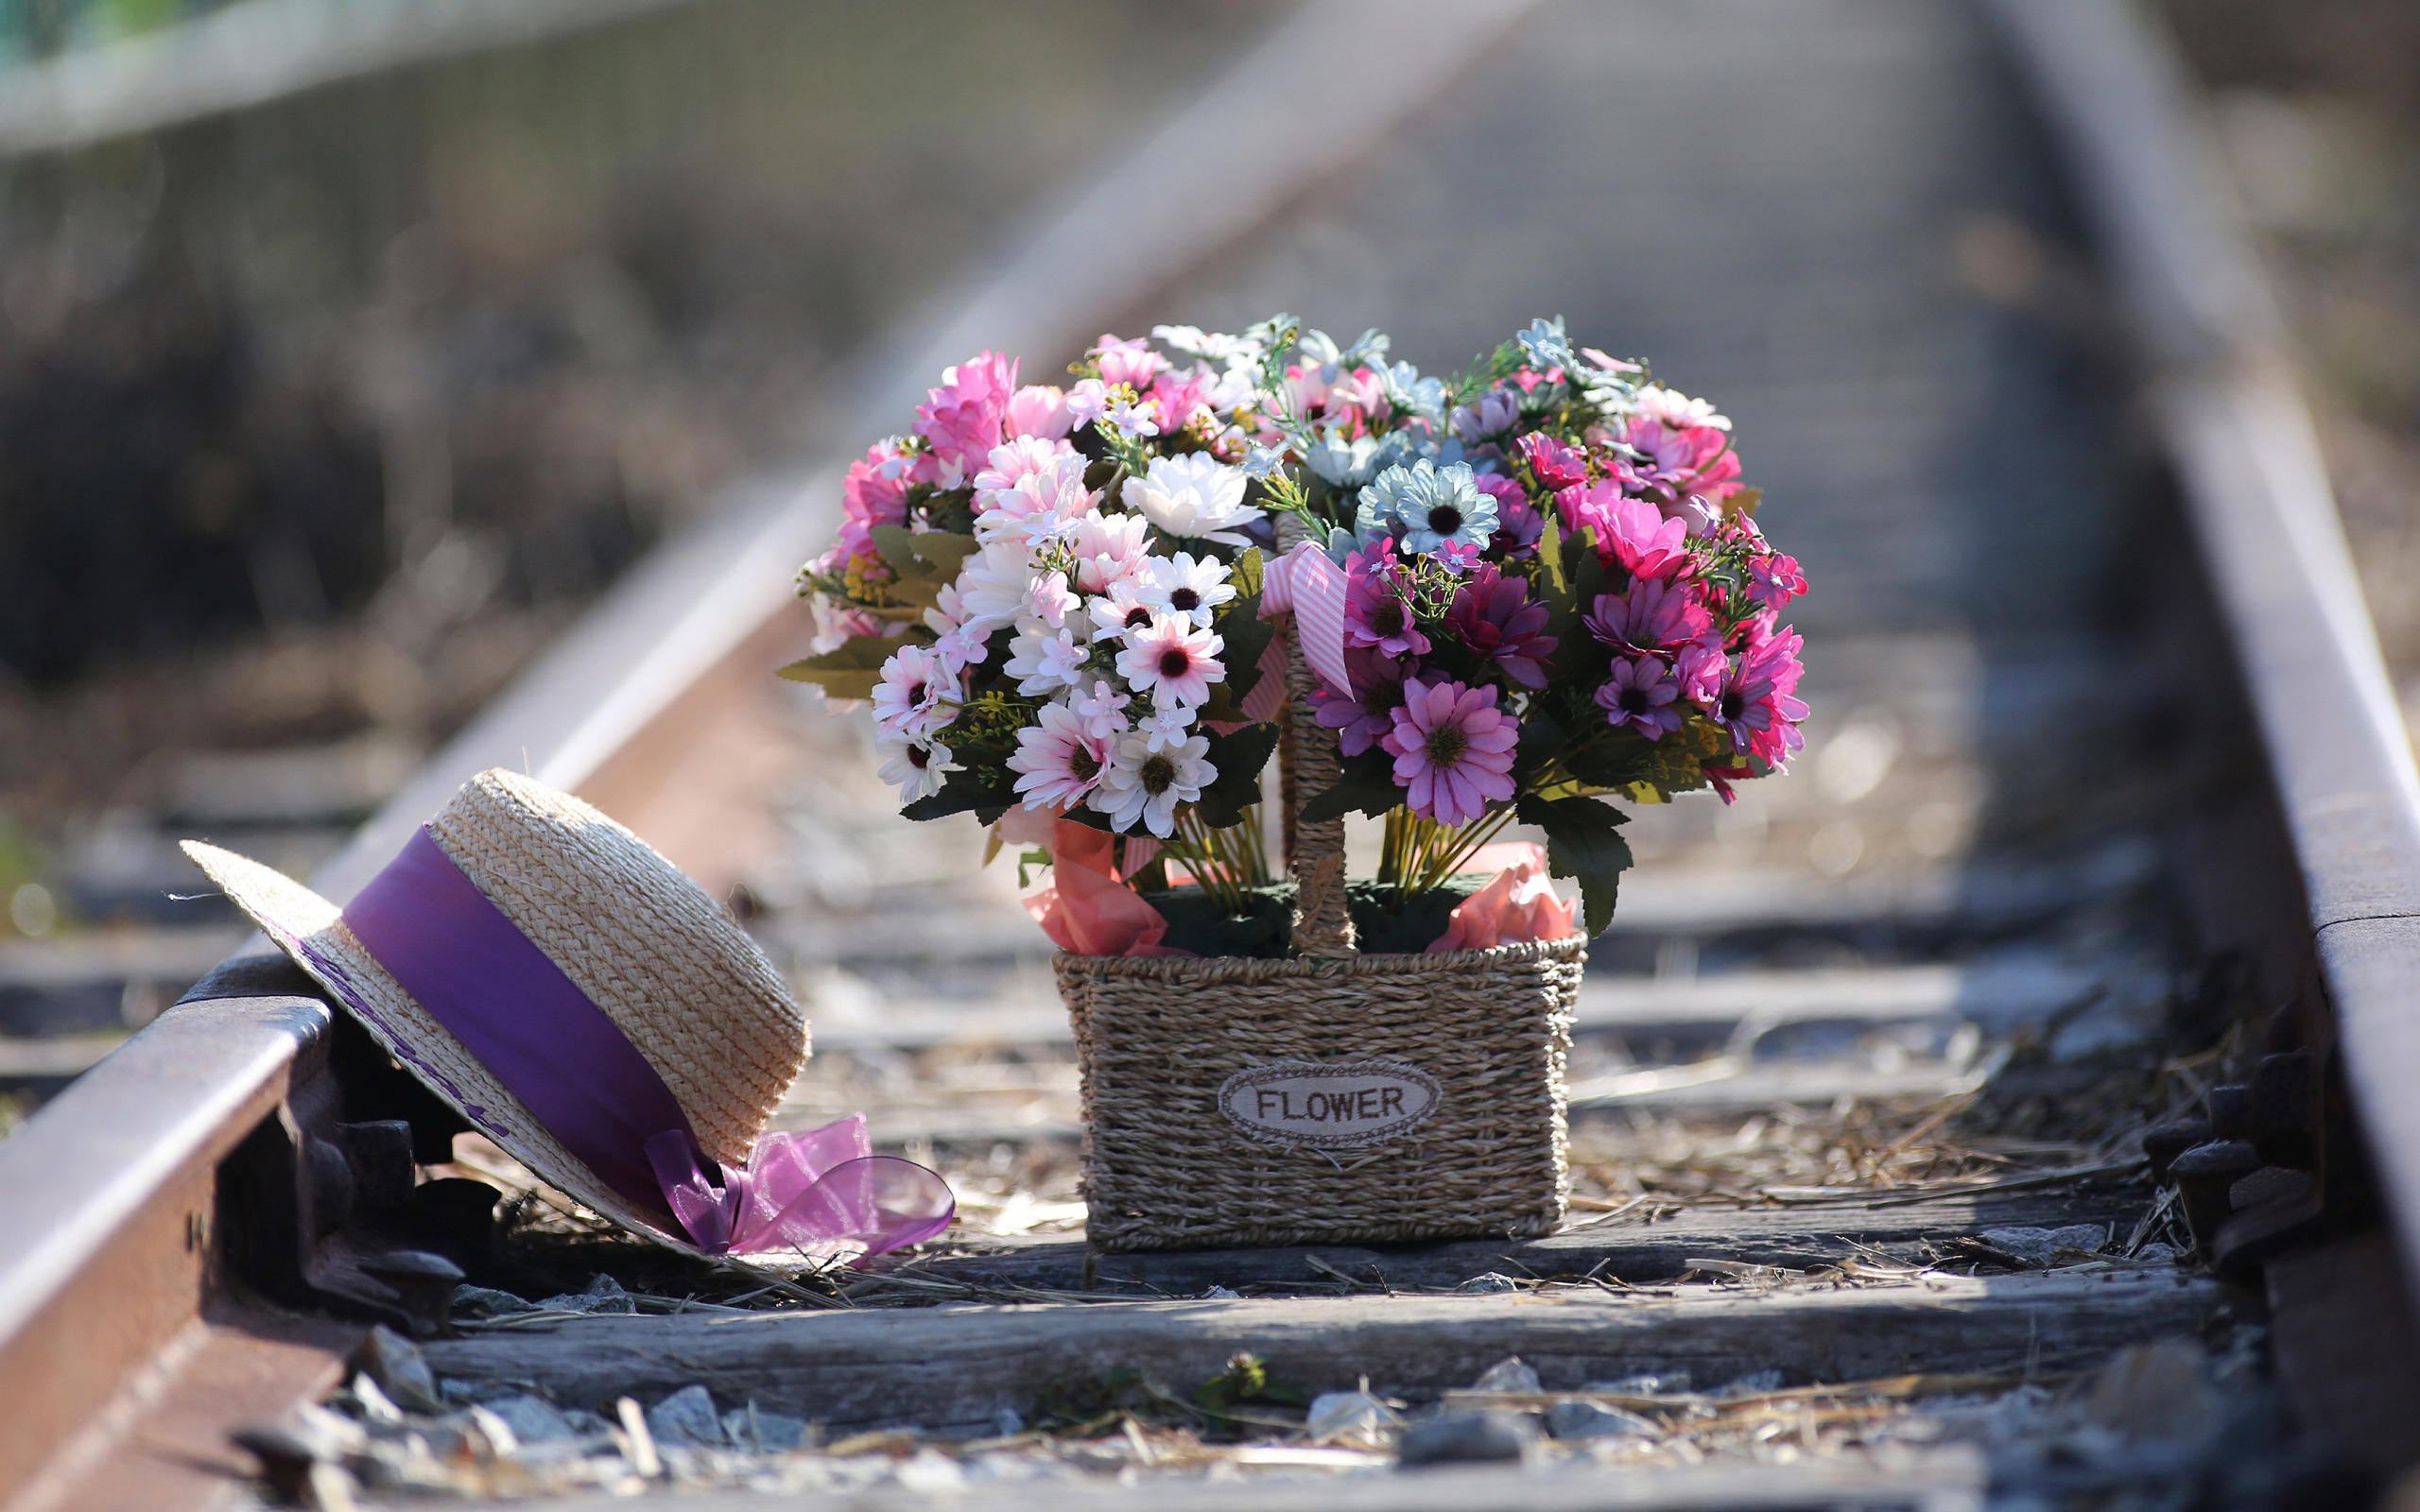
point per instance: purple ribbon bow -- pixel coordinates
(532, 1027)
(806, 1191)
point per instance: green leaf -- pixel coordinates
(1540, 736)
(1239, 758)
(1247, 574)
(924, 563)
(1367, 787)
(849, 670)
(1550, 550)
(1245, 635)
(960, 791)
(1584, 841)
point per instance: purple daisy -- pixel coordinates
(1639, 693)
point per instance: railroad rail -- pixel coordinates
(167, 1231)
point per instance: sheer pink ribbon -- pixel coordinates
(1088, 909)
(1519, 904)
(813, 1191)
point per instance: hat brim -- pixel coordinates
(312, 931)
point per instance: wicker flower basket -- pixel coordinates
(1327, 1098)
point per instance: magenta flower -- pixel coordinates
(1630, 531)
(1453, 750)
(1374, 613)
(1775, 580)
(1699, 667)
(1639, 691)
(1363, 718)
(1494, 616)
(1517, 525)
(1556, 466)
(1757, 703)
(1655, 615)
(967, 416)
(1669, 464)
(1178, 397)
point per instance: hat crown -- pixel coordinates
(654, 952)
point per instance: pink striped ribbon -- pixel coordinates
(1304, 581)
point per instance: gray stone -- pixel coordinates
(1491, 1282)
(1663, 1383)
(1508, 1374)
(687, 1417)
(1466, 1435)
(533, 1419)
(1749, 1384)
(2042, 1246)
(1586, 1419)
(604, 1295)
(759, 1432)
(400, 1369)
(486, 1302)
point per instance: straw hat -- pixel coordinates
(673, 970)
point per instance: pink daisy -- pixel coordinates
(916, 695)
(1059, 759)
(1109, 548)
(1172, 659)
(1654, 615)
(1453, 750)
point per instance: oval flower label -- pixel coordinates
(1332, 1105)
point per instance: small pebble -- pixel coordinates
(1491, 1282)
(1466, 1435)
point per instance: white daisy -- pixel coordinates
(1120, 609)
(1172, 660)
(915, 767)
(1144, 786)
(1184, 587)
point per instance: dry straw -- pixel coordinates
(649, 947)
(1157, 1039)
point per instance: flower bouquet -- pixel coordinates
(1090, 614)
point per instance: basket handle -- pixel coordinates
(1309, 764)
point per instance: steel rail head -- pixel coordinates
(257, 52)
(2242, 439)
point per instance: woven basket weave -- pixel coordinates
(1167, 1046)
(1165, 1168)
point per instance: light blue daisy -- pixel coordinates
(1433, 503)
